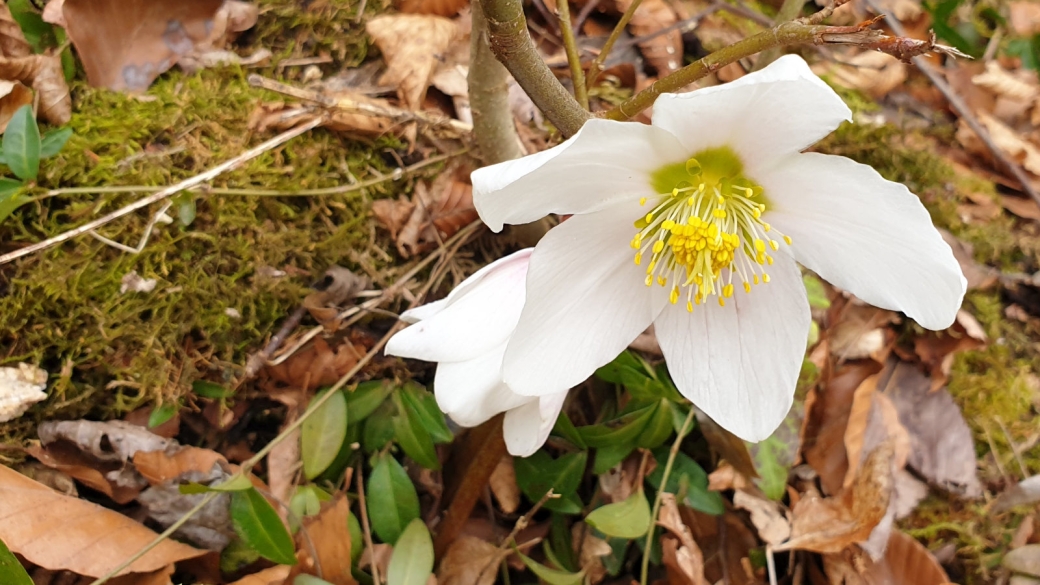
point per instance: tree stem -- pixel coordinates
(488, 81)
(570, 45)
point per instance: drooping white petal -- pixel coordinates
(471, 391)
(605, 161)
(740, 363)
(764, 115)
(869, 236)
(526, 428)
(478, 315)
(585, 302)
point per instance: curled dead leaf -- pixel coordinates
(63, 533)
(326, 544)
(12, 39)
(446, 8)
(411, 44)
(470, 561)
(766, 515)
(503, 485)
(434, 214)
(43, 73)
(664, 52)
(318, 364)
(126, 44)
(170, 464)
(682, 558)
(269, 576)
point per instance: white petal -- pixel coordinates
(869, 236)
(527, 427)
(604, 161)
(585, 302)
(472, 391)
(477, 316)
(764, 115)
(740, 363)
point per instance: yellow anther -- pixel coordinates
(649, 279)
(747, 286)
(765, 277)
(662, 280)
(642, 200)
(760, 246)
(639, 258)
(756, 279)
(787, 239)
(658, 246)
(766, 227)
(722, 302)
(769, 261)
(667, 224)
(774, 245)
(719, 213)
(727, 291)
(649, 217)
(674, 296)
(689, 307)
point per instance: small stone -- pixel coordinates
(20, 388)
(1024, 560)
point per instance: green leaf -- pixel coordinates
(688, 481)
(259, 526)
(357, 540)
(53, 141)
(566, 429)
(392, 500)
(11, 571)
(539, 473)
(21, 144)
(658, 427)
(379, 428)
(304, 502)
(552, 576)
(163, 413)
(412, 436)
(423, 406)
(623, 429)
(817, 293)
(236, 483)
(212, 390)
(10, 196)
(609, 456)
(322, 434)
(628, 519)
(366, 398)
(185, 208)
(412, 560)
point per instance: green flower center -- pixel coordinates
(708, 219)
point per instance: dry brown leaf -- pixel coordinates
(43, 73)
(90, 472)
(856, 427)
(411, 45)
(446, 8)
(978, 276)
(503, 485)
(126, 44)
(725, 542)
(434, 214)
(590, 549)
(1024, 17)
(862, 332)
(727, 445)
(869, 71)
(327, 533)
(829, 525)
(937, 349)
(1021, 206)
(1007, 84)
(318, 364)
(161, 466)
(906, 561)
(773, 527)
(270, 576)
(12, 40)
(338, 286)
(53, 13)
(682, 558)
(942, 449)
(284, 461)
(663, 52)
(1010, 142)
(57, 532)
(470, 561)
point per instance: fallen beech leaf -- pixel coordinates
(1004, 83)
(1010, 142)
(57, 532)
(504, 487)
(161, 466)
(434, 214)
(12, 40)
(906, 561)
(317, 364)
(103, 476)
(470, 561)
(43, 73)
(1025, 17)
(684, 558)
(869, 71)
(126, 44)
(664, 52)
(329, 536)
(271, 576)
(446, 8)
(411, 44)
(1021, 206)
(829, 525)
(772, 526)
(725, 543)
(937, 349)
(942, 450)
(107, 441)
(862, 332)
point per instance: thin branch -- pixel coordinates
(962, 108)
(366, 527)
(597, 64)
(570, 46)
(511, 43)
(488, 83)
(167, 192)
(664, 483)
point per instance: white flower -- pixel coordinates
(716, 198)
(466, 334)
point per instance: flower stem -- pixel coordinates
(570, 45)
(488, 81)
(657, 498)
(597, 65)
(511, 43)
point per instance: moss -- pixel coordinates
(314, 28)
(62, 309)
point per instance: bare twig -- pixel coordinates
(597, 64)
(570, 46)
(962, 108)
(366, 527)
(167, 192)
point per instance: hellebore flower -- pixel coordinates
(466, 334)
(715, 203)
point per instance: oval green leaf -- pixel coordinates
(11, 197)
(54, 141)
(412, 560)
(21, 144)
(363, 400)
(628, 519)
(322, 434)
(392, 500)
(552, 576)
(259, 527)
(11, 571)
(412, 436)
